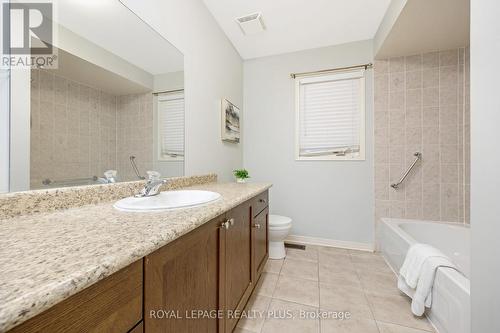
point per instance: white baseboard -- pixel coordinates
(294, 239)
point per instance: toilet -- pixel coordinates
(279, 227)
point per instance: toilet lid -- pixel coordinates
(278, 220)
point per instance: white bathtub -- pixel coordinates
(450, 311)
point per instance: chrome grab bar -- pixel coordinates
(136, 170)
(48, 181)
(418, 156)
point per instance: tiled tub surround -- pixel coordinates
(73, 129)
(134, 134)
(78, 131)
(422, 104)
(47, 257)
(330, 280)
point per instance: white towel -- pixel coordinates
(415, 258)
(418, 272)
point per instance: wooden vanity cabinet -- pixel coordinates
(212, 269)
(197, 283)
(183, 276)
(113, 305)
(237, 279)
(260, 243)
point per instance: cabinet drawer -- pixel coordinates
(113, 305)
(260, 203)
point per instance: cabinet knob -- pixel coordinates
(256, 226)
(231, 221)
(225, 225)
(263, 201)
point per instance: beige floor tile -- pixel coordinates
(344, 299)
(297, 290)
(287, 318)
(300, 269)
(257, 310)
(338, 276)
(334, 259)
(348, 326)
(379, 282)
(396, 310)
(309, 254)
(267, 284)
(273, 266)
(333, 250)
(338, 264)
(391, 328)
(370, 264)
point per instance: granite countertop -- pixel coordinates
(47, 257)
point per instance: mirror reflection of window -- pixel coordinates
(171, 126)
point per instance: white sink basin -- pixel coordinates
(167, 200)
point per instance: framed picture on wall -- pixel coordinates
(230, 116)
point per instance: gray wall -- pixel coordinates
(325, 199)
(213, 70)
(485, 182)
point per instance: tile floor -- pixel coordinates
(330, 280)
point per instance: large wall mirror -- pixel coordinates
(111, 110)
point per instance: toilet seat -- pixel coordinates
(279, 222)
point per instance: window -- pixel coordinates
(330, 116)
(171, 126)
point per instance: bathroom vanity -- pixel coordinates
(188, 270)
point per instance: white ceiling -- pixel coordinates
(293, 25)
(112, 26)
(447, 26)
(76, 69)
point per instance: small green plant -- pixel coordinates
(241, 174)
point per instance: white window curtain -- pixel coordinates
(331, 116)
(171, 125)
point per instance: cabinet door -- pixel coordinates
(238, 269)
(260, 247)
(181, 277)
(112, 305)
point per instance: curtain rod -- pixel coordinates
(365, 66)
(168, 91)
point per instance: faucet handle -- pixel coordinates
(153, 175)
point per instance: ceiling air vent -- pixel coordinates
(251, 24)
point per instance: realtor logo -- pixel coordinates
(28, 34)
(24, 22)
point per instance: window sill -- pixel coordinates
(330, 158)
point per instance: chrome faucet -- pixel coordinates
(152, 186)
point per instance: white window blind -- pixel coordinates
(330, 119)
(171, 125)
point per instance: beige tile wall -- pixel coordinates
(79, 132)
(422, 104)
(135, 134)
(73, 129)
